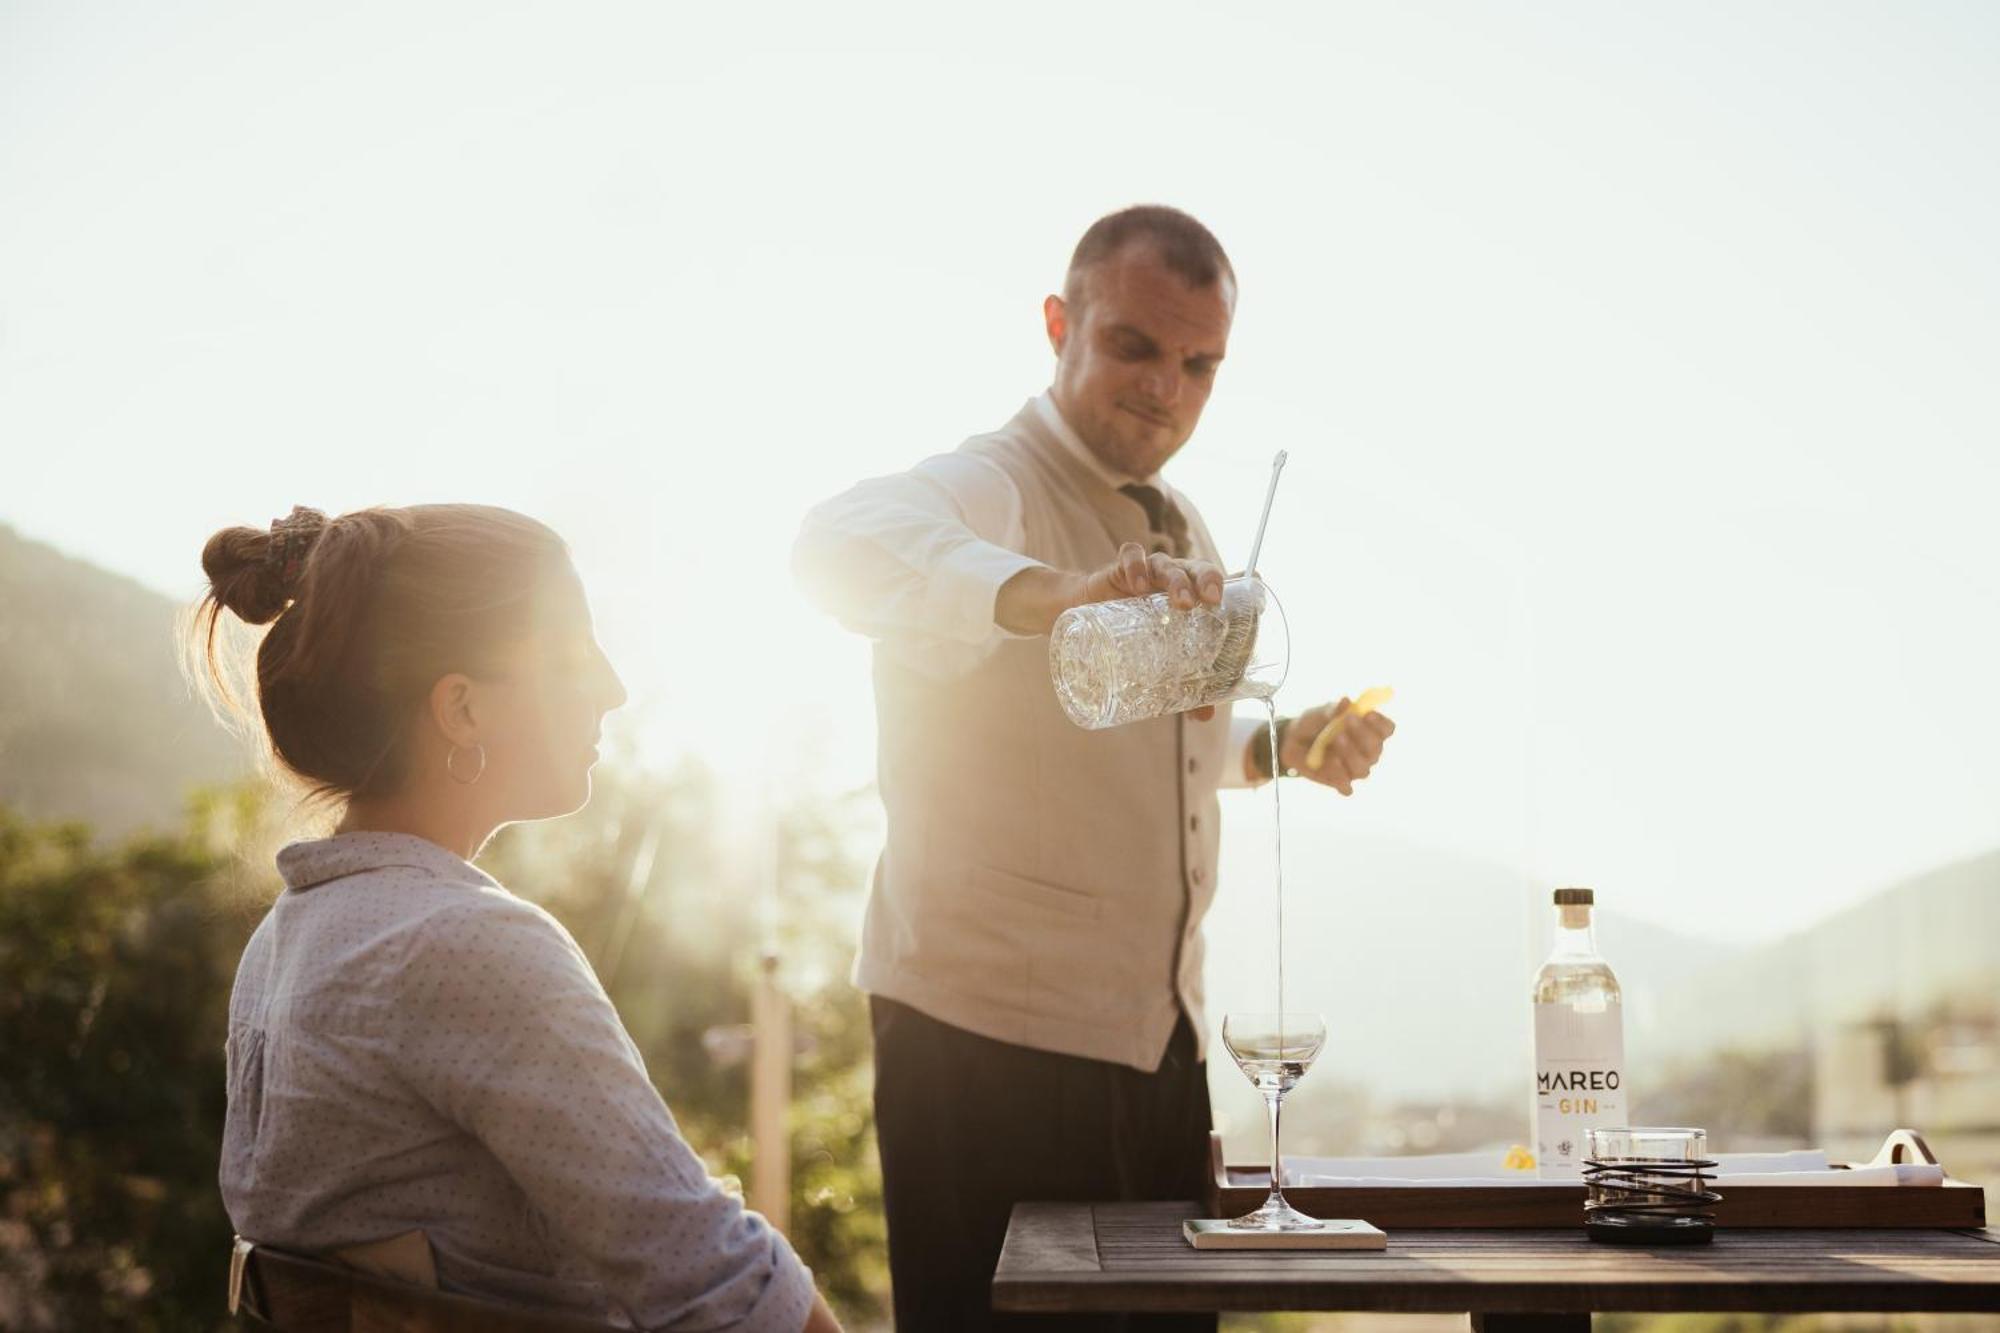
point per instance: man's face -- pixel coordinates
(1134, 365)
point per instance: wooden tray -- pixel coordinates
(1956, 1203)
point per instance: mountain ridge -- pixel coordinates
(96, 721)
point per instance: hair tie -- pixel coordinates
(291, 538)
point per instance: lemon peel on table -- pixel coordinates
(1369, 701)
(1518, 1159)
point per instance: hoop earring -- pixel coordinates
(450, 766)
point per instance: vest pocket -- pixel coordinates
(1051, 941)
(1070, 902)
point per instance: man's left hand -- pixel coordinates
(1348, 757)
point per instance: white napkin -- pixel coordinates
(1903, 1173)
(1802, 1167)
(1771, 1163)
(1457, 1168)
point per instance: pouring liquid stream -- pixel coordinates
(1277, 854)
(1278, 461)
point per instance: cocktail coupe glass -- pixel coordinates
(1274, 1051)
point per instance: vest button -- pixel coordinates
(1199, 875)
(1191, 765)
(1194, 823)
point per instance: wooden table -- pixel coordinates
(1131, 1257)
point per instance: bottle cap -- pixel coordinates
(1575, 897)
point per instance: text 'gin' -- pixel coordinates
(1579, 1042)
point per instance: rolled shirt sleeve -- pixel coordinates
(917, 559)
(1244, 731)
(507, 1032)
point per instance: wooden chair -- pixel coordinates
(296, 1294)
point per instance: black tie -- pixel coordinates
(1162, 515)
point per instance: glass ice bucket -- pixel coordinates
(1649, 1186)
(1143, 657)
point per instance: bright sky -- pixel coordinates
(1637, 362)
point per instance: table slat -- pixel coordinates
(1051, 1238)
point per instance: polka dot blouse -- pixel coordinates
(412, 1047)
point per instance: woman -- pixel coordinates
(423, 1067)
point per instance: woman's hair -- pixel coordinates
(366, 611)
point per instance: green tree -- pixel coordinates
(115, 967)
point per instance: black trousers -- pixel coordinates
(970, 1126)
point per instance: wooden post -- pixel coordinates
(771, 1097)
(1530, 1323)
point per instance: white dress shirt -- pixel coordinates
(923, 555)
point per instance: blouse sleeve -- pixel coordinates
(505, 1029)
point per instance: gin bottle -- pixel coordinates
(1579, 1042)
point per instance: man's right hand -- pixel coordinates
(1030, 602)
(1135, 573)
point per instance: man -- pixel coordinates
(1032, 947)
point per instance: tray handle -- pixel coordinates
(1904, 1145)
(1218, 1175)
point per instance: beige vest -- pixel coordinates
(1042, 884)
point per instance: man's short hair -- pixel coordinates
(1185, 246)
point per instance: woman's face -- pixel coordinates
(543, 711)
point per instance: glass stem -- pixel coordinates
(1277, 1199)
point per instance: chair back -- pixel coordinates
(296, 1294)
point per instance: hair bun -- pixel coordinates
(256, 574)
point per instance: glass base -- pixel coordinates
(1276, 1215)
(1650, 1231)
